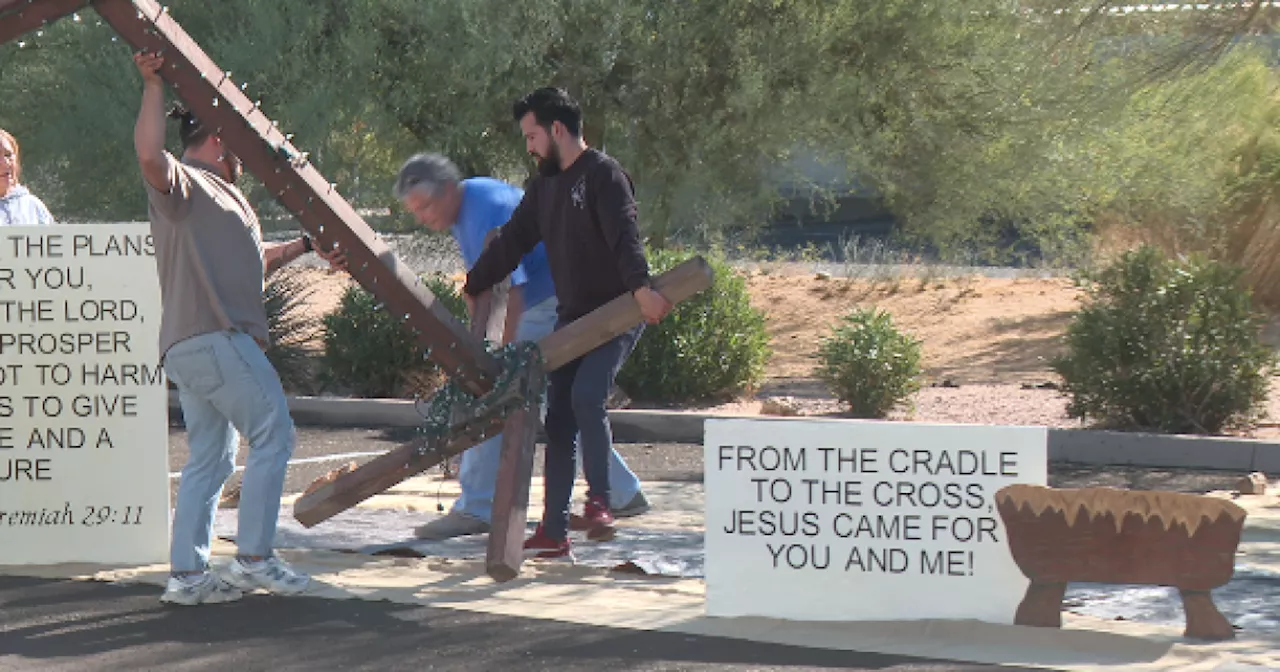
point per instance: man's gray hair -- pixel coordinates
(429, 172)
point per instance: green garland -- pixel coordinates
(514, 361)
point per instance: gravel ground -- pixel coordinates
(1009, 404)
(969, 404)
(992, 404)
(1006, 404)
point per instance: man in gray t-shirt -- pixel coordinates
(212, 265)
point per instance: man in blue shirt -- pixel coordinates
(430, 187)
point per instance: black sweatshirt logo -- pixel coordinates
(579, 193)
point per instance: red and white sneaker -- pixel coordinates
(543, 547)
(598, 520)
(638, 505)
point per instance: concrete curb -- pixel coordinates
(1082, 446)
(340, 412)
(1088, 446)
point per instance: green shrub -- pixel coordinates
(1163, 345)
(368, 352)
(293, 330)
(869, 364)
(713, 344)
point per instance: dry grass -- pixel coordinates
(1242, 228)
(1251, 241)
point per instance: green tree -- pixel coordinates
(79, 95)
(698, 100)
(980, 121)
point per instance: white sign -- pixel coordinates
(845, 520)
(83, 401)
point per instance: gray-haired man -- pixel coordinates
(431, 188)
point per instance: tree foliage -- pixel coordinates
(982, 122)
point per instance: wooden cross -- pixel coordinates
(511, 495)
(267, 153)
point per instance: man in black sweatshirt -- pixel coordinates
(582, 206)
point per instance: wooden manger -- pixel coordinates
(1106, 535)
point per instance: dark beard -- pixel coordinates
(549, 166)
(234, 167)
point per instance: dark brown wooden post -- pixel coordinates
(511, 496)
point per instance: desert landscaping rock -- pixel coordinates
(1253, 484)
(776, 406)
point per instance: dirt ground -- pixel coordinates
(987, 343)
(974, 330)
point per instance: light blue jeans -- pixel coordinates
(479, 470)
(228, 388)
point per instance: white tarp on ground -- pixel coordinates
(1251, 600)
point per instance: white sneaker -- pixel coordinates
(452, 525)
(203, 588)
(272, 575)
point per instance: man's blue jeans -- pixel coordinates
(576, 409)
(479, 471)
(228, 388)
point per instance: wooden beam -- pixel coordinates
(569, 343)
(608, 321)
(267, 152)
(505, 552)
(18, 17)
(389, 469)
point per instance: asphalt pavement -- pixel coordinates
(57, 626)
(321, 449)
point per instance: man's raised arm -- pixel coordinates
(148, 133)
